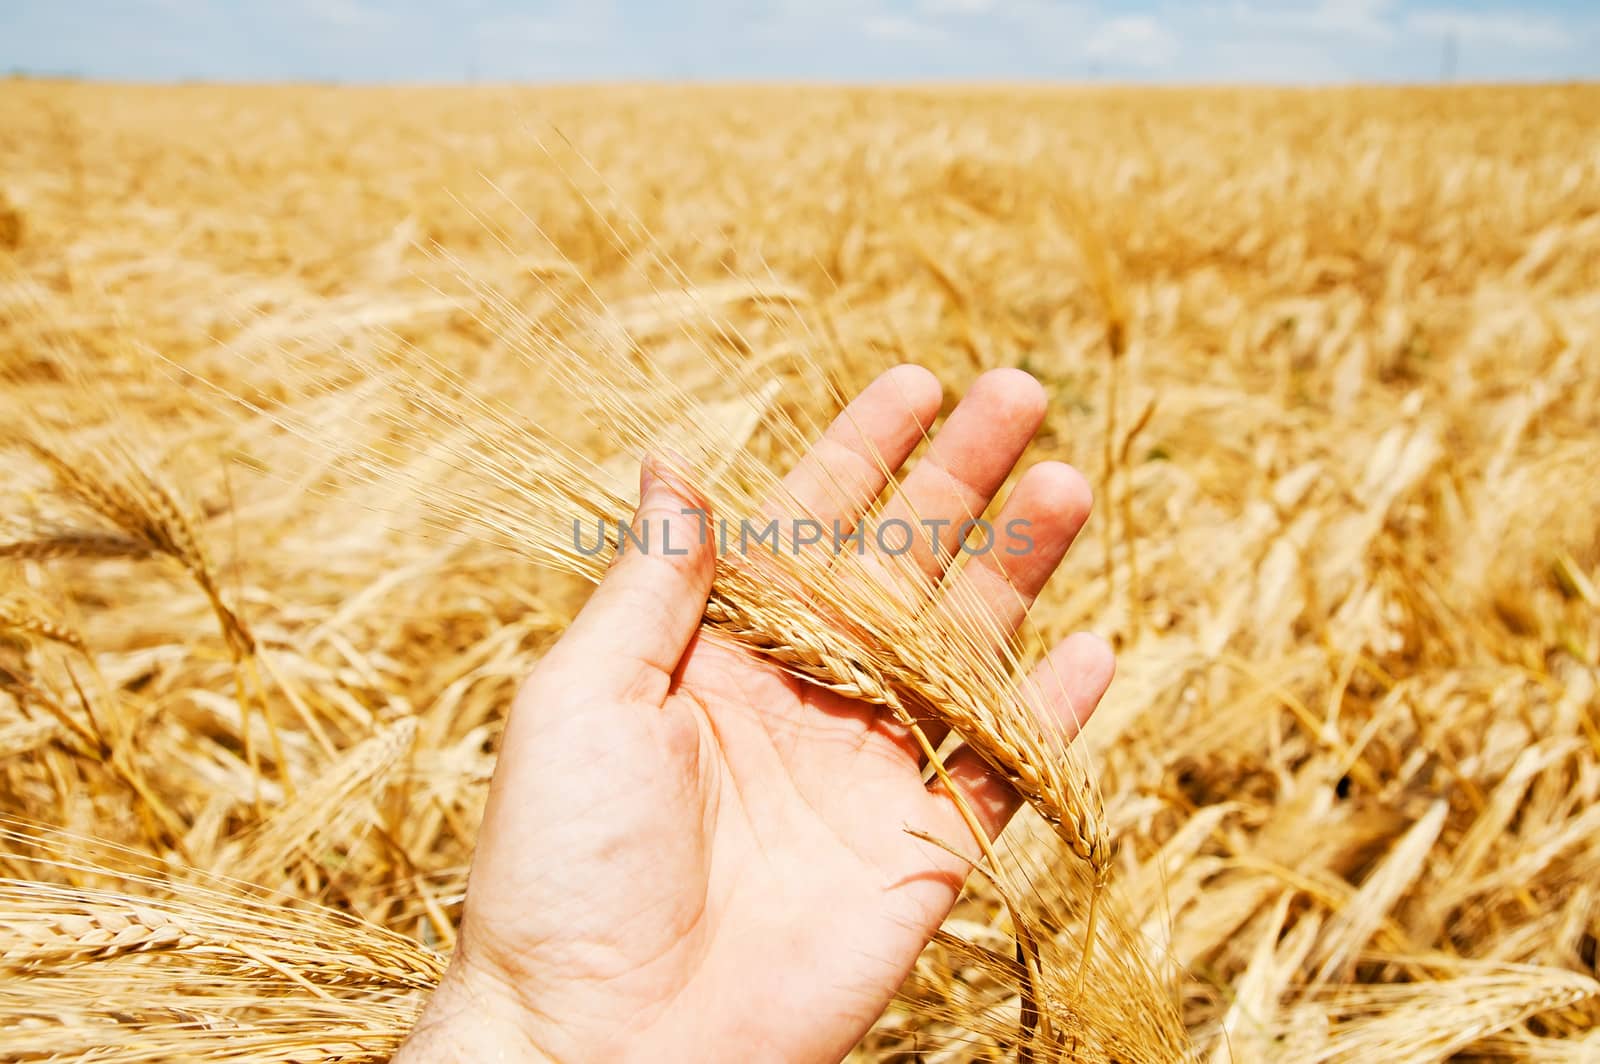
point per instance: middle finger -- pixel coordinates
(967, 462)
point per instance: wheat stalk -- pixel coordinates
(27, 616)
(25, 736)
(880, 672)
(66, 543)
(99, 933)
(127, 493)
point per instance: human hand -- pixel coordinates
(688, 853)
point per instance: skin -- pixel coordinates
(688, 854)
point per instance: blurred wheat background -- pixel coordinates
(1331, 359)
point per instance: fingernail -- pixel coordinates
(661, 472)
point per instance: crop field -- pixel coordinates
(284, 370)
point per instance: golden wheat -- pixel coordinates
(1326, 354)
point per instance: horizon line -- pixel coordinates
(712, 81)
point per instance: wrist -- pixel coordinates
(469, 1020)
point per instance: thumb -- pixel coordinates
(629, 636)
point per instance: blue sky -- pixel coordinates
(855, 40)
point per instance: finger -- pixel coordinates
(992, 593)
(871, 438)
(997, 586)
(1068, 685)
(968, 461)
(629, 636)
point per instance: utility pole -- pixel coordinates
(1447, 63)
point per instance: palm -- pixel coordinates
(717, 853)
(814, 793)
(763, 802)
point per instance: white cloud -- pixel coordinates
(1358, 18)
(1132, 40)
(1369, 19)
(1276, 61)
(958, 7)
(899, 28)
(572, 25)
(1518, 30)
(350, 14)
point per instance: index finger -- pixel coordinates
(870, 439)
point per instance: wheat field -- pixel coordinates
(1330, 358)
